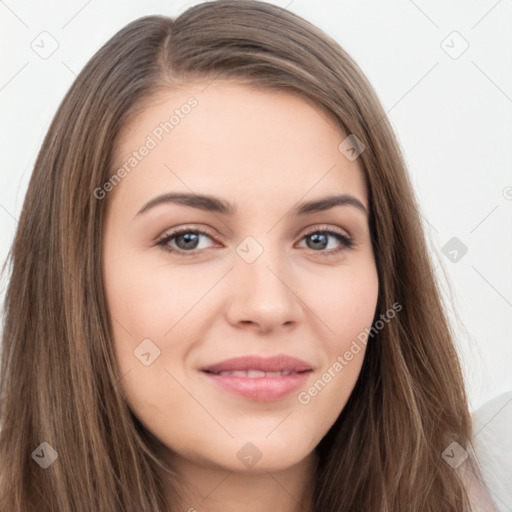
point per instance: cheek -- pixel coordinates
(150, 302)
(347, 307)
(346, 304)
(158, 312)
(147, 316)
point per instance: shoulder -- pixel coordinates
(488, 471)
(476, 488)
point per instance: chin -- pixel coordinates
(263, 455)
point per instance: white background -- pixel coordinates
(452, 117)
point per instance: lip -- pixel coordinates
(260, 388)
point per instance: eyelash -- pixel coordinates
(346, 241)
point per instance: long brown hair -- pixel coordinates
(60, 383)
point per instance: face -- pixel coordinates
(248, 271)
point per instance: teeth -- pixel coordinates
(256, 374)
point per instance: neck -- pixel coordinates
(208, 488)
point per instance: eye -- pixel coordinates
(187, 241)
(319, 240)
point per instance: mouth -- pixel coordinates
(259, 379)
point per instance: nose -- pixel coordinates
(263, 296)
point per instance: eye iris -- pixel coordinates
(191, 240)
(319, 237)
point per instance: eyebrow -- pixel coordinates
(217, 205)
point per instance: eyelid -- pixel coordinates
(328, 228)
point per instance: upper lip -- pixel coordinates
(267, 364)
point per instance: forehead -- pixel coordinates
(224, 138)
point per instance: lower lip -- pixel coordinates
(261, 389)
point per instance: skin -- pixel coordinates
(263, 151)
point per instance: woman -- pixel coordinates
(299, 358)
